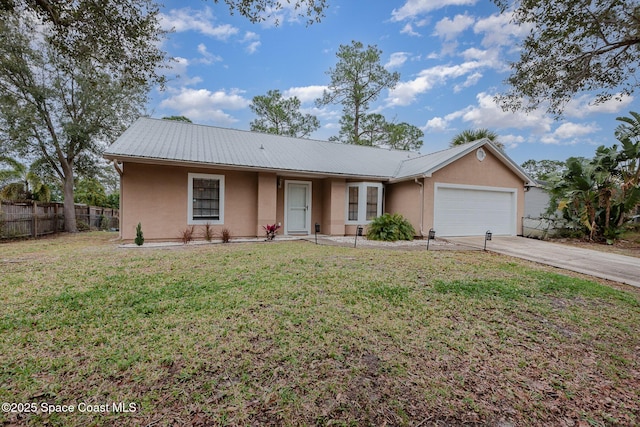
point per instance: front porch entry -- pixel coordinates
(297, 211)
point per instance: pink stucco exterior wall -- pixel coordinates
(333, 207)
(405, 198)
(156, 196)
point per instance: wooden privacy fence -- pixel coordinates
(33, 219)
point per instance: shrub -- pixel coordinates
(208, 232)
(226, 235)
(390, 228)
(104, 222)
(82, 226)
(187, 235)
(139, 240)
(271, 229)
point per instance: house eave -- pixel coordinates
(409, 177)
(221, 166)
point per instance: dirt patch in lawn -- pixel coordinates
(628, 244)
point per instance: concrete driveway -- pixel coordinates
(619, 268)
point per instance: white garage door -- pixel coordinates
(471, 210)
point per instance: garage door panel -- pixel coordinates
(468, 211)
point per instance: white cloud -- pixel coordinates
(500, 30)
(413, 8)
(408, 29)
(488, 56)
(583, 105)
(250, 36)
(448, 48)
(437, 124)
(305, 93)
(202, 49)
(448, 29)
(487, 114)
(204, 105)
(406, 92)
(285, 12)
(571, 130)
(253, 47)
(397, 59)
(470, 81)
(179, 65)
(202, 21)
(179, 74)
(511, 141)
(253, 42)
(207, 57)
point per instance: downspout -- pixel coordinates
(421, 206)
(120, 169)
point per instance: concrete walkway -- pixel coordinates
(605, 265)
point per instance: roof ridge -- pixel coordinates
(366, 147)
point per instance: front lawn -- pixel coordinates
(290, 333)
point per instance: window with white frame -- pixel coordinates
(206, 199)
(364, 202)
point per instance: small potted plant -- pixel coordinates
(271, 230)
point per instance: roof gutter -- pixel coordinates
(421, 184)
(118, 167)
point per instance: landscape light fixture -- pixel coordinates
(317, 231)
(358, 233)
(487, 236)
(431, 236)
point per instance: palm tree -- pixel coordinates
(471, 135)
(628, 133)
(19, 182)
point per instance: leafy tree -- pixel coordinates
(118, 36)
(589, 194)
(20, 182)
(628, 133)
(178, 119)
(375, 131)
(574, 46)
(598, 194)
(371, 130)
(471, 135)
(281, 116)
(403, 136)
(113, 201)
(357, 80)
(261, 10)
(543, 169)
(576, 194)
(67, 88)
(57, 12)
(90, 192)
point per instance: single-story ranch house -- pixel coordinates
(175, 175)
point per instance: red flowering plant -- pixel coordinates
(271, 230)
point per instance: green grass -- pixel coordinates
(297, 334)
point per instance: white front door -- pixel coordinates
(297, 216)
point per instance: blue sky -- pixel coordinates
(452, 56)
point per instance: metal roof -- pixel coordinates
(157, 140)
